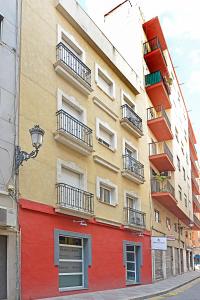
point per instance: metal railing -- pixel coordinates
(162, 187)
(151, 45)
(134, 217)
(71, 197)
(156, 112)
(160, 148)
(129, 114)
(69, 124)
(65, 55)
(156, 77)
(134, 166)
(194, 181)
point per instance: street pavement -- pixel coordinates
(190, 291)
(143, 291)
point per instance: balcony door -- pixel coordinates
(131, 158)
(134, 218)
(74, 181)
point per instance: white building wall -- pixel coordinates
(9, 58)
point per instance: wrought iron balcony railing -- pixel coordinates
(69, 124)
(132, 165)
(129, 114)
(156, 77)
(65, 55)
(134, 217)
(162, 187)
(160, 148)
(156, 112)
(74, 198)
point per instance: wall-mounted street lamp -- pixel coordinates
(37, 134)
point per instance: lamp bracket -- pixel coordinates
(21, 156)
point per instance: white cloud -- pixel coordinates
(192, 84)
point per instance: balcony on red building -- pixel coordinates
(164, 193)
(158, 89)
(193, 150)
(195, 186)
(196, 223)
(161, 157)
(154, 56)
(159, 123)
(196, 204)
(195, 170)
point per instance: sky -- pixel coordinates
(180, 23)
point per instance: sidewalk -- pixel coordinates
(138, 292)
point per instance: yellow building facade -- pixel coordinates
(104, 180)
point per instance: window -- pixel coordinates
(157, 216)
(105, 194)
(1, 26)
(178, 163)
(105, 135)
(180, 192)
(104, 81)
(176, 134)
(184, 175)
(71, 178)
(175, 227)
(126, 99)
(168, 223)
(73, 257)
(187, 159)
(106, 191)
(69, 41)
(185, 200)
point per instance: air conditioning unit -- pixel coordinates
(7, 217)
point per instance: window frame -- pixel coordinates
(71, 41)
(157, 217)
(105, 74)
(109, 185)
(87, 244)
(106, 127)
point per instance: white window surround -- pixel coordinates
(63, 35)
(72, 166)
(61, 96)
(130, 145)
(109, 130)
(132, 194)
(129, 99)
(104, 72)
(110, 185)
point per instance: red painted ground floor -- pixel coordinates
(61, 255)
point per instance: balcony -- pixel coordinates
(74, 201)
(193, 150)
(164, 193)
(196, 223)
(133, 169)
(73, 133)
(72, 69)
(159, 123)
(131, 121)
(154, 56)
(158, 89)
(195, 186)
(195, 169)
(161, 157)
(134, 218)
(196, 204)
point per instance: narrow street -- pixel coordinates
(190, 291)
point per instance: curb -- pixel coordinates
(164, 291)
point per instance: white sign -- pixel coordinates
(158, 243)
